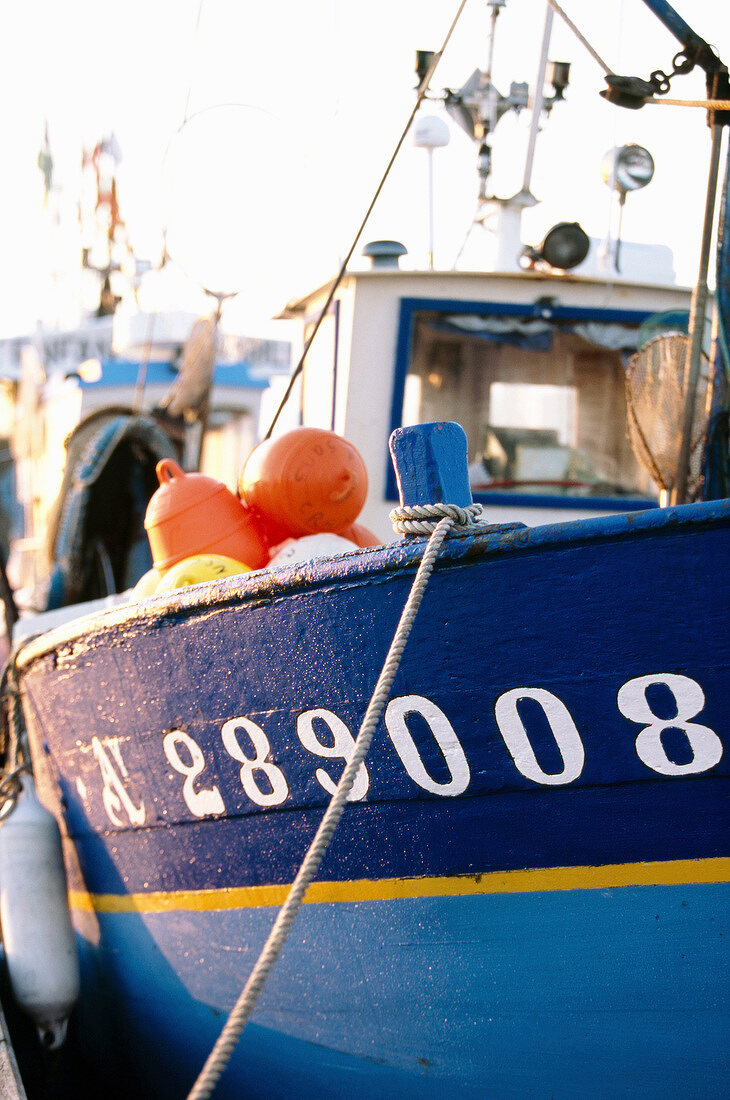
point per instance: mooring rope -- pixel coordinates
(708, 104)
(440, 518)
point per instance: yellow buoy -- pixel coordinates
(198, 569)
(147, 584)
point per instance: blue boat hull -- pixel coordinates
(620, 991)
(530, 892)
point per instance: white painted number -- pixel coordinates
(341, 749)
(113, 773)
(689, 697)
(395, 720)
(274, 777)
(518, 743)
(326, 736)
(202, 802)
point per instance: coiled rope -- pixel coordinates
(438, 520)
(421, 519)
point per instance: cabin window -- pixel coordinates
(543, 405)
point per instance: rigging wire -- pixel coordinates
(147, 353)
(422, 89)
(581, 38)
(168, 255)
(196, 32)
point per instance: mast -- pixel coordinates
(695, 51)
(478, 107)
(698, 312)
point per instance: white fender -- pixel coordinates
(40, 946)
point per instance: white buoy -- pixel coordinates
(39, 941)
(309, 547)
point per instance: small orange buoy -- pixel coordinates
(304, 482)
(194, 514)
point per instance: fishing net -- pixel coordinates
(655, 398)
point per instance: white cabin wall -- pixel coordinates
(368, 330)
(368, 334)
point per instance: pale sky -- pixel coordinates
(276, 186)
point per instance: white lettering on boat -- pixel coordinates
(689, 698)
(325, 735)
(206, 800)
(341, 749)
(275, 779)
(114, 795)
(518, 743)
(395, 722)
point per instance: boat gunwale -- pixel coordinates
(366, 564)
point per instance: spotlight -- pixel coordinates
(423, 64)
(627, 168)
(557, 73)
(565, 246)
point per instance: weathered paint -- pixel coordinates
(473, 927)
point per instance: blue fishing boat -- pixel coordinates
(451, 812)
(530, 885)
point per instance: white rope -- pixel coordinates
(422, 519)
(708, 104)
(242, 1010)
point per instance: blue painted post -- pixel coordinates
(430, 463)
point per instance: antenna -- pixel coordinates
(430, 133)
(478, 107)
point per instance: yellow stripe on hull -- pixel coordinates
(678, 872)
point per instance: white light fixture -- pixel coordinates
(623, 169)
(627, 168)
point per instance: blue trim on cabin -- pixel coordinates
(539, 311)
(545, 500)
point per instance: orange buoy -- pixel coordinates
(194, 514)
(360, 535)
(304, 482)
